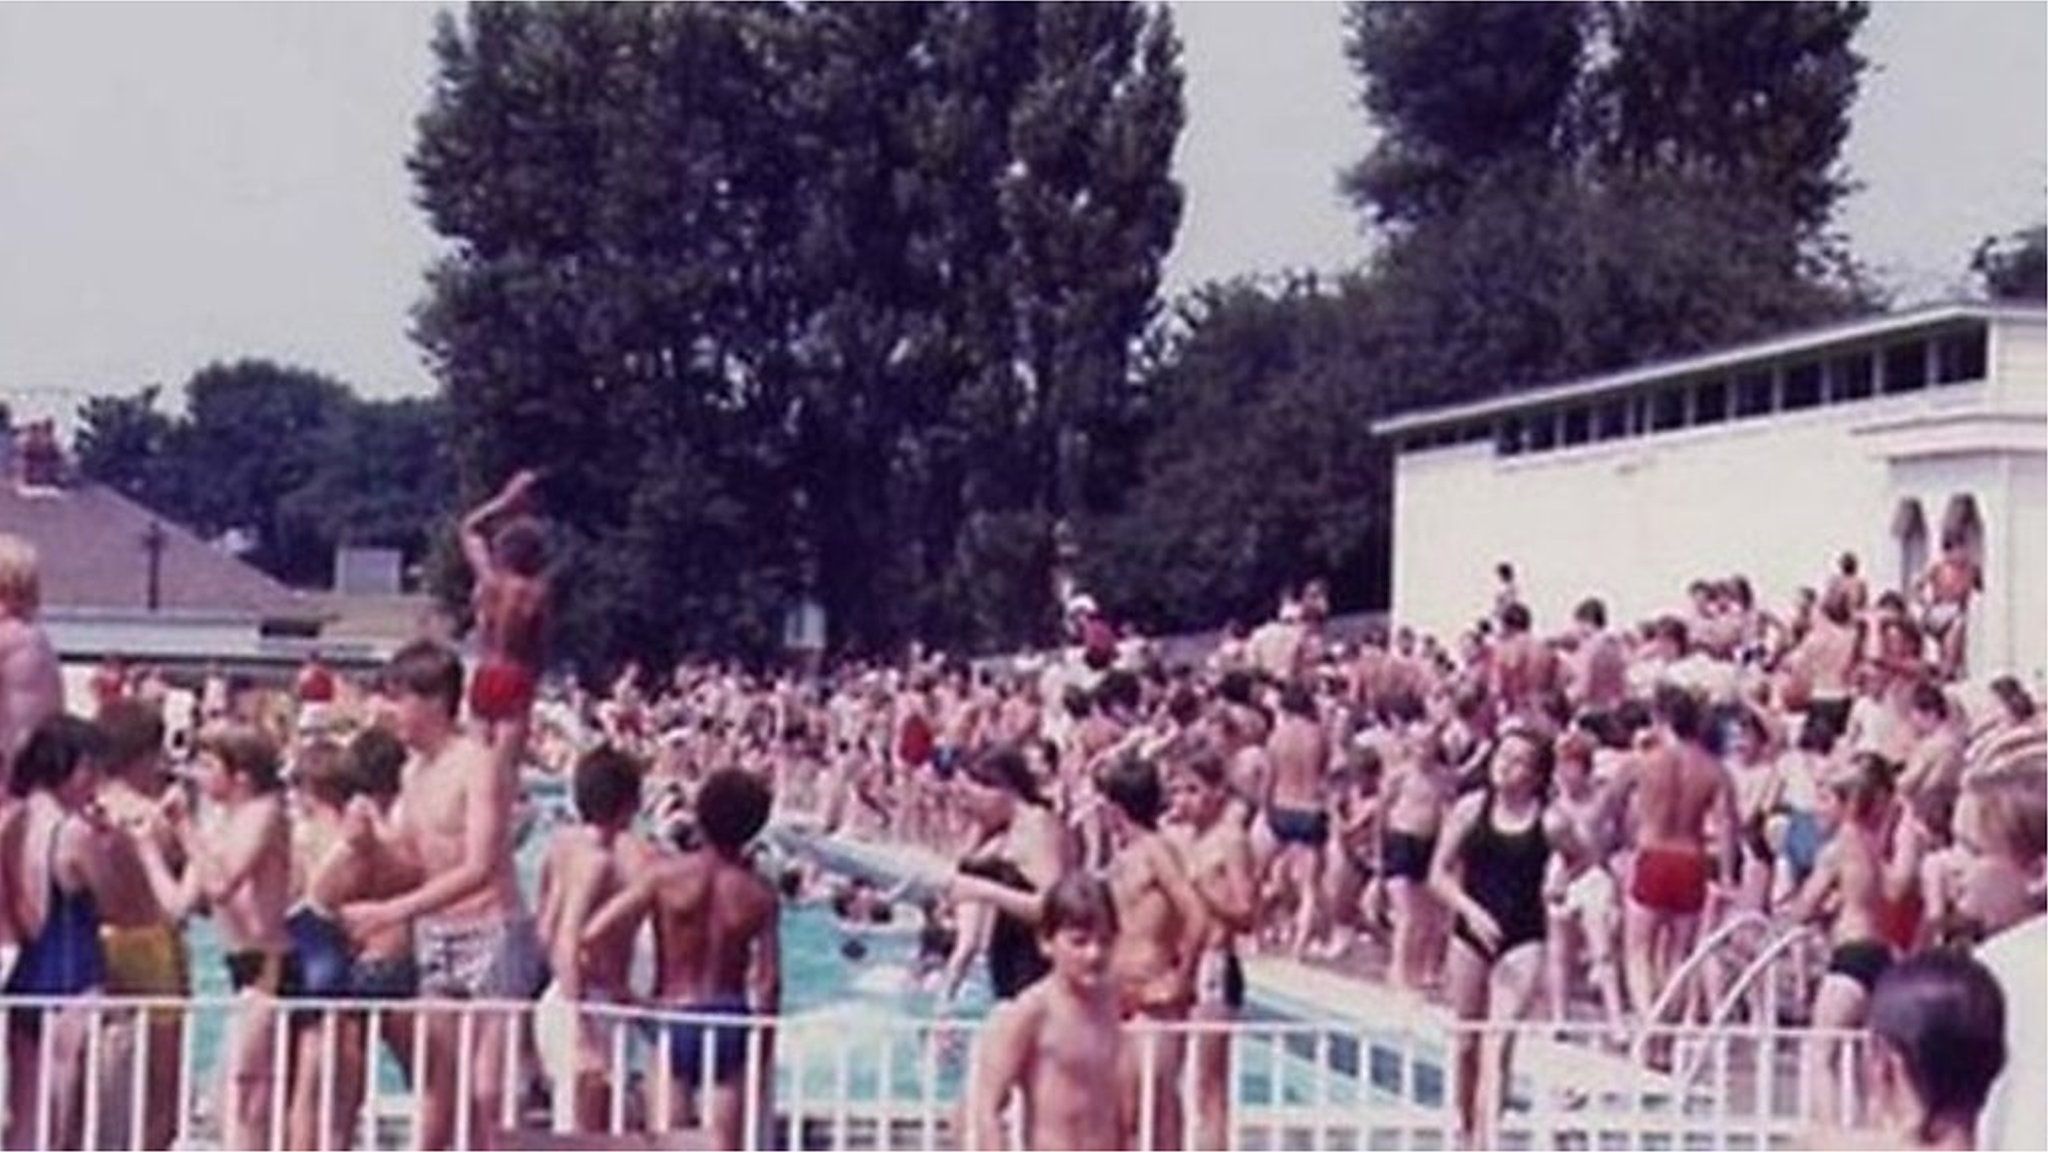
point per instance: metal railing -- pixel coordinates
(116, 1073)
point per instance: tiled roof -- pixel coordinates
(90, 538)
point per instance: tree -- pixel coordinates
(121, 442)
(735, 275)
(1459, 91)
(2015, 266)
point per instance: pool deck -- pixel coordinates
(1545, 1068)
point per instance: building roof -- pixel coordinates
(1721, 359)
(94, 561)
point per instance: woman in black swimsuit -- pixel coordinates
(1489, 869)
(1018, 845)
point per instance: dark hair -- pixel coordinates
(1847, 563)
(1515, 617)
(1545, 766)
(428, 669)
(1081, 902)
(1836, 607)
(1504, 570)
(1208, 767)
(1003, 767)
(321, 770)
(376, 760)
(53, 752)
(606, 785)
(732, 808)
(1184, 706)
(1929, 698)
(1679, 708)
(1235, 687)
(1673, 629)
(1119, 689)
(521, 547)
(1722, 716)
(1591, 611)
(133, 732)
(1943, 1013)
(1295, 700)
(2015, 698)
(245, 751)
(1132, 784)
(1869, 780)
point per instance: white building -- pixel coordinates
(1766, 460)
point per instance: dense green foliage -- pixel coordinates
(837, 299)
(291, 460)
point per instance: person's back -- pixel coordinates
(712, 912)
(1299, 751)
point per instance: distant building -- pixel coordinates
(120, 580)
(1876, 436)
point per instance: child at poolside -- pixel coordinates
(584, 866)
(717, 950)
(1060, 1042)
(241, 870)
(511, 599)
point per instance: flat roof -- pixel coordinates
(1775, 348)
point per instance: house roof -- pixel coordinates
(94, 561)
(1720, 359)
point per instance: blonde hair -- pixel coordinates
(21, 582)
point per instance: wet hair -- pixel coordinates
(1515, 617)
(376, 760)
(1132, 784)
(322, 770)
(521, 547)
(428, 669)
(53, 752)
(1004, 768)
(606, 785)
(1943, 1014)
(1677, 707)
(245, 751)
(1081, 902)
(2015, 697)
(732, 808)
(133, 731)
(1591, 612)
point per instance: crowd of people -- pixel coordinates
(1516, 821)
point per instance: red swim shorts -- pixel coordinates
(1672, 880)
(501, 691)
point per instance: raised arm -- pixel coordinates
(476, 544)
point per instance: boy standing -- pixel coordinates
(1060, 1041)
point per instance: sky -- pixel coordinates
(186, 183)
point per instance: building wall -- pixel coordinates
(2027, 575)
(1633, 521)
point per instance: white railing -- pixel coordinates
(84, 1075)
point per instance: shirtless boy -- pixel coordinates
(1219, 863)
(511, 601)
(1296, 812)
(585, 865)
(241, 869)
(472, 936)
(1676, 791)
(717, 951)
(1062, 1040)
(1849, 881)
(1945, 591)
(1416, 796)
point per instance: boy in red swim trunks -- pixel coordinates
(507, 554)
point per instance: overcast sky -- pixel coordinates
(183, 183)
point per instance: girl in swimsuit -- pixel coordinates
(1019, 846)
(1489, 870)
